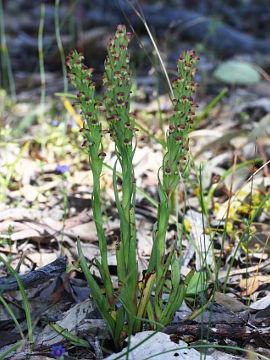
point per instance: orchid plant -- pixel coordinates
(129, 308)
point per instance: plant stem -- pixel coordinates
(96, 206)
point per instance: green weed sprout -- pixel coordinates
(128, 309)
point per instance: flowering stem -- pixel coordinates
(96, 205)
(174, 165)
(121, 126)
(80, 76)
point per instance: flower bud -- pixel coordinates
(84, 143)
(120, 28)
(168, 171)
(171, 128)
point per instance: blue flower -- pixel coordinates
(197, 77)
(55, 123)
(58, 351)
(62, 168)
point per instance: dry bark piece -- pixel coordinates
(56, 268)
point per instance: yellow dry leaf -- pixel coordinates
(249, 285)
(72, 112)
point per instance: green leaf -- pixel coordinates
(70, 337)
(145, 298)
(173, 305)
(237, 72)
(24, 298)
(11, 313)
(175, 271)
(119, 324)
(197, 283)
(11, 349)
(100, 300)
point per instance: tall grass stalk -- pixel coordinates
(141, 17)
(157, 52)
(161, 120)
(72, 25)
(5, 59)
(68, 15)
(42, 73)
(59, 44)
